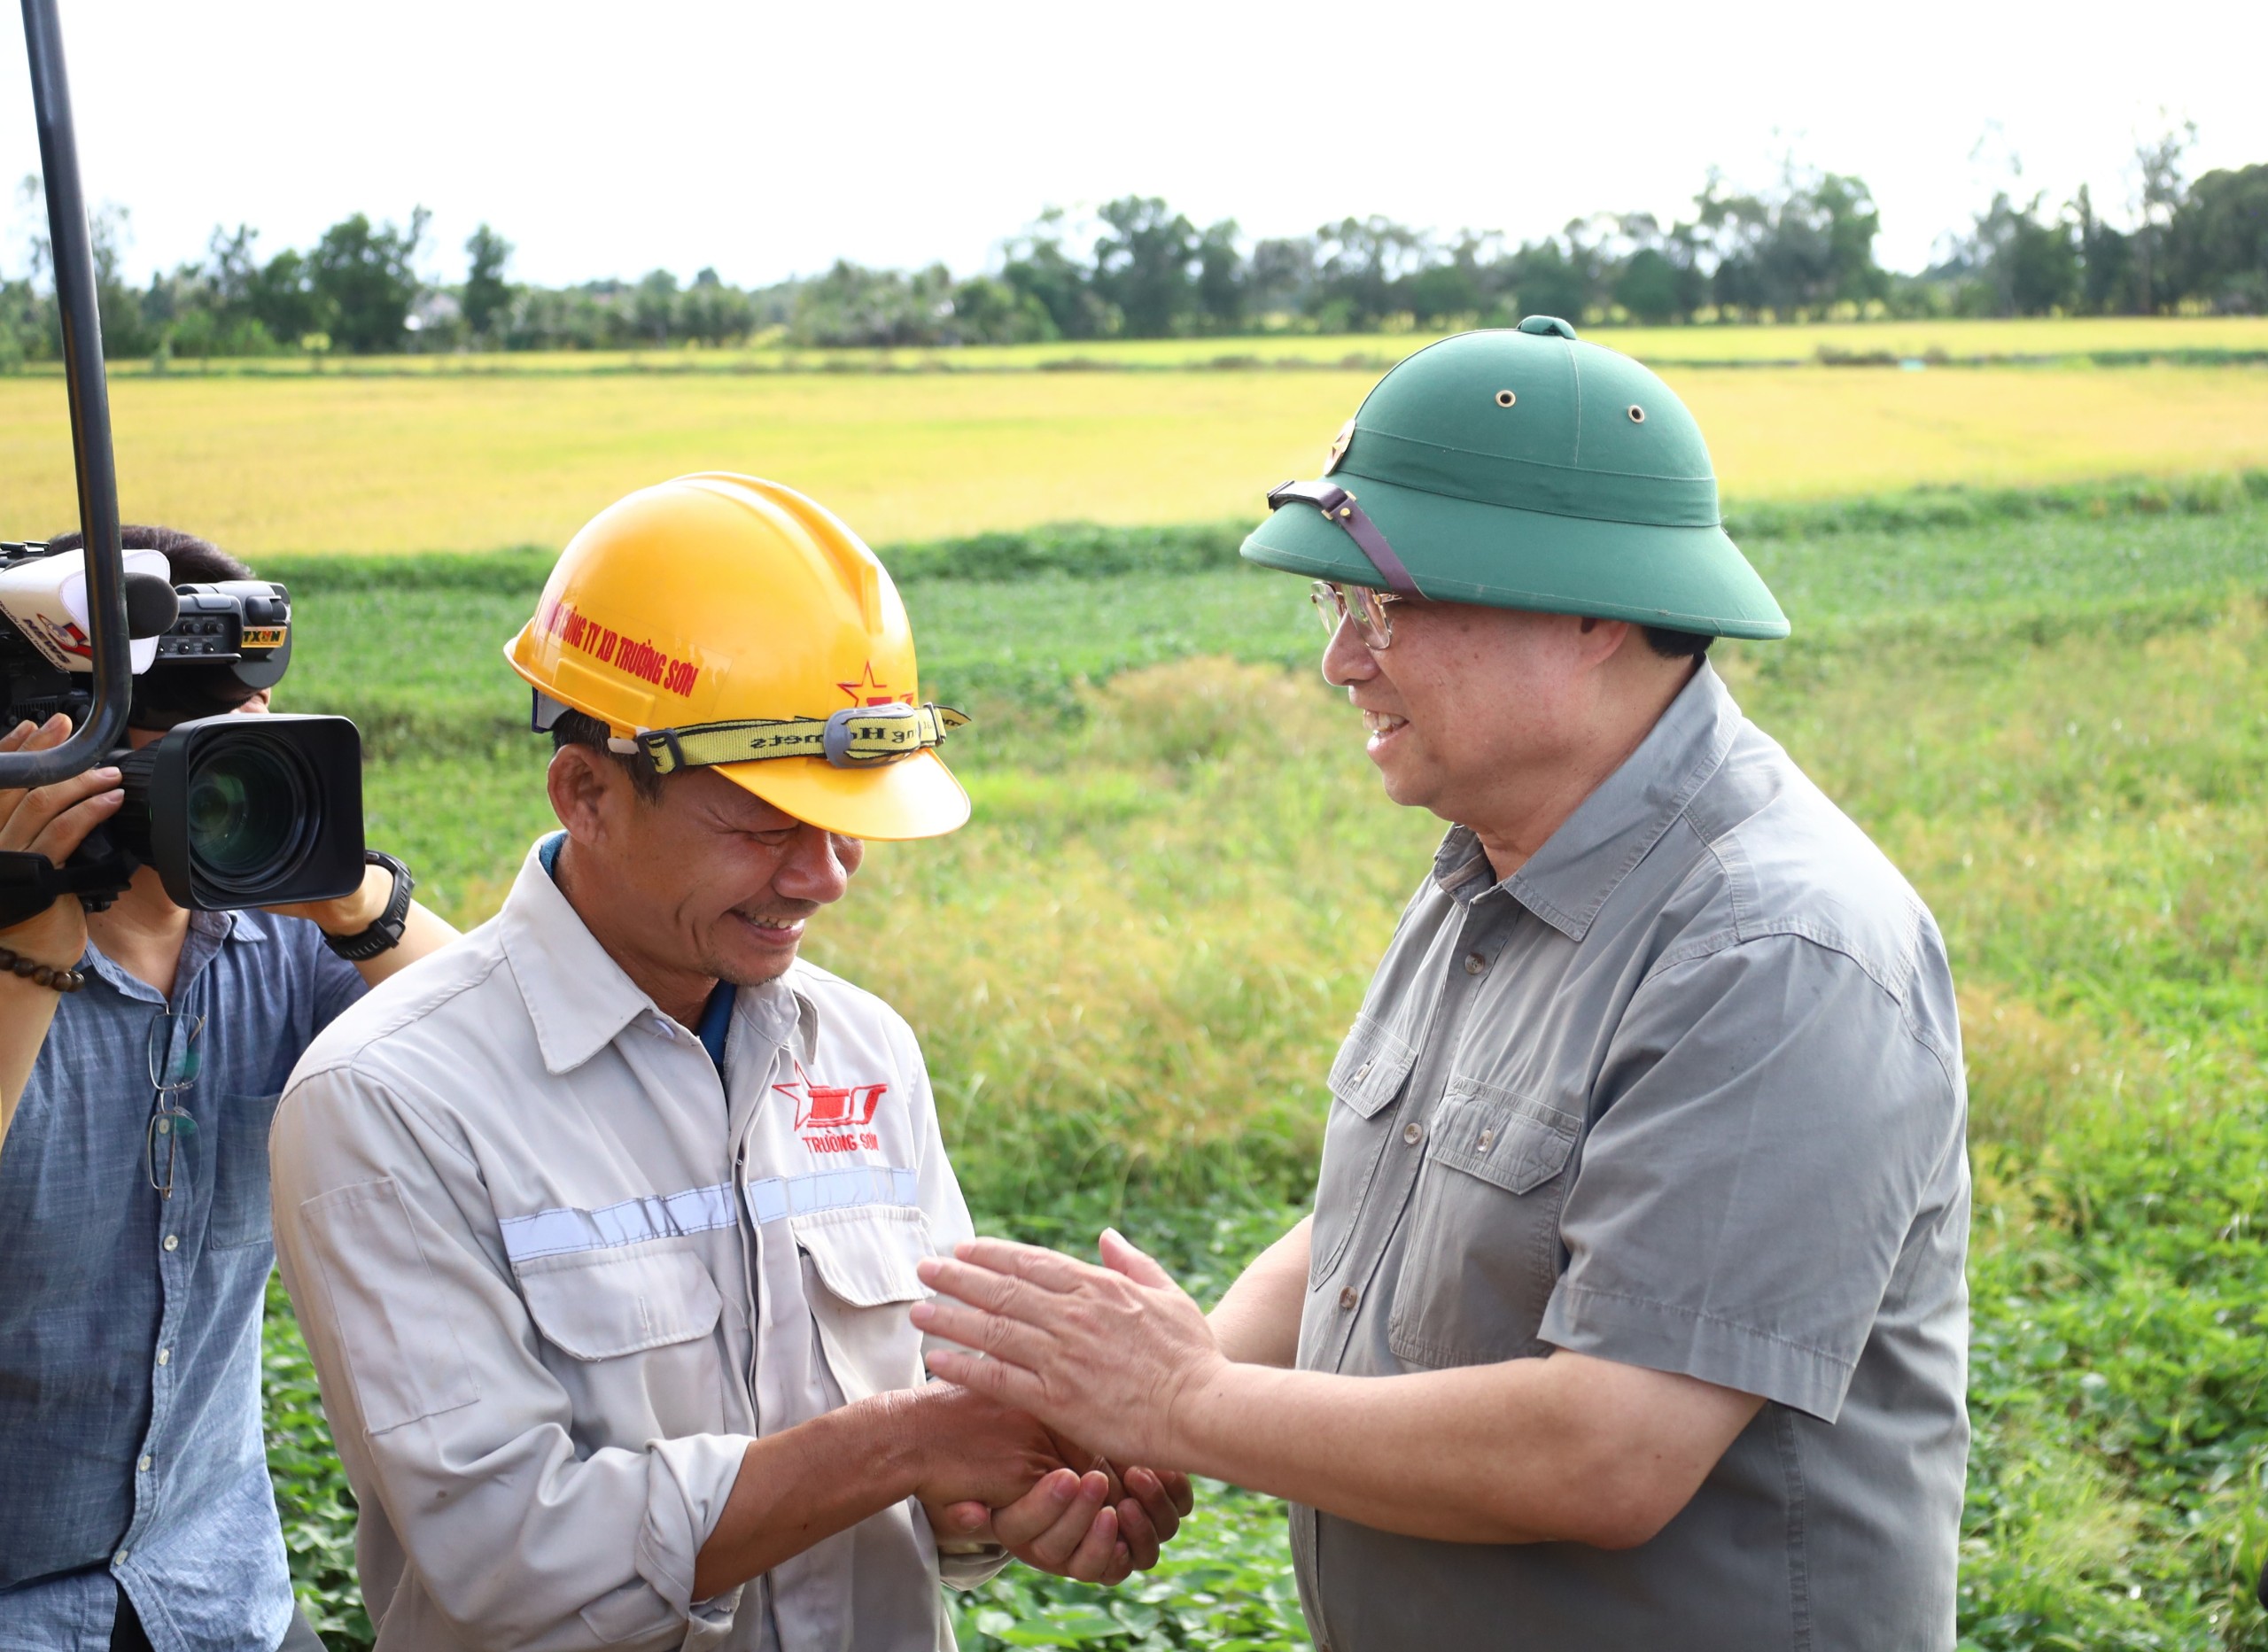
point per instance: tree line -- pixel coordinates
(357, 292)
(1140, 269)
(2200, 246)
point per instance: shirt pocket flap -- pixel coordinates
(1370, 1068)
(604, 1308)
(1511, 1141)
(866, 1255)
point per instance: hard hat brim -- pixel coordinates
(1681, 578)
(914, 797)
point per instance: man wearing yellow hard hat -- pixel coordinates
(603, 1225)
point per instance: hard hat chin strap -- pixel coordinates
(857, 737)
(1339, 508)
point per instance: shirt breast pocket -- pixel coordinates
(1365, 1080)
(637, 1330)
(238, 1133)
(598, 1307)
(1483, 1252)
(860, 1285)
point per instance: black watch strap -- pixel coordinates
(386, 934)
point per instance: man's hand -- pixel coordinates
(53, 820)
(940, 1442)
(1068, 1524)
(349, 914)
(423, 930)
(1100, 1353)
(966, 1447)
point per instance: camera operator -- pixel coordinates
(134, 1224)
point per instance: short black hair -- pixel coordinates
(194, 562)
(577, 728)
(185, 689)
(1677, 645)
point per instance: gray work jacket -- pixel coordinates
(1683, 1092)
(556, 1271)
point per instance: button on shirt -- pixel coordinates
(1684, 1092)
(555, 1278)
(130, 1448)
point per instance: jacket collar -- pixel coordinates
(1567, 880)
(579, 998)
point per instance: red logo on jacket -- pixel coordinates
(831, 1118)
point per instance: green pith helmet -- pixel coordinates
(1517, 468)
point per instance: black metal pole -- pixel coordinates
(74, 258)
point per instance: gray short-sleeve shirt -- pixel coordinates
(1684, 1092)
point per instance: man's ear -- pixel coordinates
(582, 784)
(1599, 640)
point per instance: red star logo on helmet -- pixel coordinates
(868, 692)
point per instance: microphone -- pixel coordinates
(150, 606)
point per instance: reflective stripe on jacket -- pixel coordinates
(555, 1274)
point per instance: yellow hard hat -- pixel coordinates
(727, 622)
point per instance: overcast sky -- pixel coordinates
(607, 140)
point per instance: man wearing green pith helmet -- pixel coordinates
(1631, 1313)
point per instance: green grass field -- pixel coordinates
(468, 462)
(1131, 971)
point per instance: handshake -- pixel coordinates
(1072, 1352)
(990, 1474)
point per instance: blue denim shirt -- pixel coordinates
(130, 1442)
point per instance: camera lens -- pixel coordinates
(237, 811)
(251, 811)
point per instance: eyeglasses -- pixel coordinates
(176, 1052)
(1366, 608)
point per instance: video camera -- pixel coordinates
(232, 810)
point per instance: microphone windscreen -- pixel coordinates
(150, 606)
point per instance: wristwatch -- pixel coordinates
(384, 933)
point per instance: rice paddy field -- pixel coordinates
(415, 462)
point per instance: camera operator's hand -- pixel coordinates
(422, 930)
(349, 914)
(50, 820)
(53, 820)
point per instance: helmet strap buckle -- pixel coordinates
(853, 733)
(661, 749)
(1338, 508)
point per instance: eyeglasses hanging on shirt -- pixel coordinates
(176, 1051)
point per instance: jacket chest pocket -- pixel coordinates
(1483, 1255)
(1367, 1078)
(860, 1284)
(637, 1328)
(658, 1304)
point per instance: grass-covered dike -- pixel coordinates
(2050, 707)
